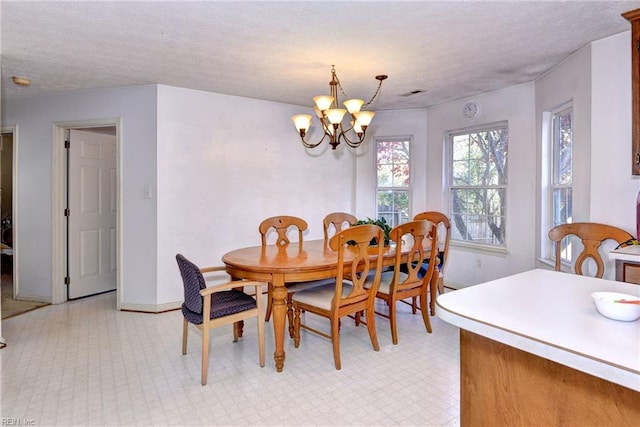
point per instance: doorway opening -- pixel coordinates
(12, 304)
(86, 209)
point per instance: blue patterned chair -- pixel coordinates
(224, 305)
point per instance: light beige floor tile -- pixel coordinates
(85, 363)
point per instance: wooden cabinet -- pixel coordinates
(627, 263)
(628, 271)
(634, 17)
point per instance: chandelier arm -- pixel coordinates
(325, 133)
(353, 144)
(313, 144)
(342, 130)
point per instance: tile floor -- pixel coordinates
(84, 363)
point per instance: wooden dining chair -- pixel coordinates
(592, 235)
(437, 281)
(345, 297)
(444, 236)
(282, 225)
(419, 240)
(214, 306)
(334, 222)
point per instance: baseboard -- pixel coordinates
(46, 300)
(151, 308)
(454, 285)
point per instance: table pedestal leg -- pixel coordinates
(279, 314)
(238, 326)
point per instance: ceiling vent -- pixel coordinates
(413, 92)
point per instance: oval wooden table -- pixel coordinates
(296, 262)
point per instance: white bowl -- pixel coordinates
(608, 307)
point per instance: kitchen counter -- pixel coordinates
(542, 327)
(628, 253)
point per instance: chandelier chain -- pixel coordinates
(347, 97)
(374, 95)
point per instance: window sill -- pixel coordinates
(547, 262)
(480, 248)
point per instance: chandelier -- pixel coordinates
(331, 116)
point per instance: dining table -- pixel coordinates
(291, 263)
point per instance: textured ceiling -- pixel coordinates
(283, 51)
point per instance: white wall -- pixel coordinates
(570, 81)
(225, 163)
(515, 105)
(613, 188)
(34, 116)
(597, 79)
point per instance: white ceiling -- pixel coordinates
(283, 51)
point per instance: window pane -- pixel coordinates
(385, 176)
(562, 206)
(495, 202)
(563, 142)
(393, 179)
(393, 205)
(401, 203)
(478, 185)
(393, 163)
(460, 147)
(562, 179)
(385, 201)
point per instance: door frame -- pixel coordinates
(14, 205)
(58, 204)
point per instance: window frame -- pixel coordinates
(448, 170)
(551, 178)
(408, 189)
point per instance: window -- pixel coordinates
(477, 184)
(562, 173)
(393, 179)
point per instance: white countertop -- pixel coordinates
(552, 315)
(628, 253)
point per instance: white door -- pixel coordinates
(92, 213)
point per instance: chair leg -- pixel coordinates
(240, 328)
(261, 339)
(267, 315)
(414, 304)
(335, 340)
(236, 325)
(440, 285)
(433, 286)
(205, 355)
(185, 332)
(296, 328)
(290, 313)
(425, 313)
(392, 322)
(371, 327)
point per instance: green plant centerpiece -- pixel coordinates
(382, 223)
